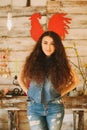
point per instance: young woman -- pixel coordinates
(51, 77)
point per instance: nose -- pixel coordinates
(48, 47)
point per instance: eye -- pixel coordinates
(44, 42)
(52, 43)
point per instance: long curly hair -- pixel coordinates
(56, 68)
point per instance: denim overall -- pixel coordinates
(45, 107)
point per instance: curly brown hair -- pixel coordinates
(56, 68)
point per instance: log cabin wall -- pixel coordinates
(19, 43)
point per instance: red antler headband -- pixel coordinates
(57, 23)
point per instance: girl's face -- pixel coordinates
(48, 46)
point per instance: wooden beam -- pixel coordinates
(13, 120)
(81, 120)
(22, 11)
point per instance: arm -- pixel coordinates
(72, 85)
(22, 81)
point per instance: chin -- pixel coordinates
(48, 55)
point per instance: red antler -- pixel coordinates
(36, 28)
(59, 24)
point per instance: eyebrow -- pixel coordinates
(44, 40)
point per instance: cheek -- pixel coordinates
(43, 48)
(53, 49)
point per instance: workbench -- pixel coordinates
(15, 104)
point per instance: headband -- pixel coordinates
(58, 23)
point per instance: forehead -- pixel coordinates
(47, 38)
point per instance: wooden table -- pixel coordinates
(77, 104)
(13, 105)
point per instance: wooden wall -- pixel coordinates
(20, 43)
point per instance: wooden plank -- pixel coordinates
(73, 3)
(22, 21)
(33, 3)
(22, 11)
(77, 10)
(81, 120)
(19, 25)
(82, 51)
(74, 61)
(78, 118)
(21, 28)
(18, 55)
(13, 120)
(73, 33)
(19, 3)
(22, 3)
(75, 101)
(3, 114)
(69, 6)
(73, 7)
(22, 107)
(5, 2)
(10, 103)
(22, 24)
(77, 34)
(75, 119)
(16, 44)
(13, 3)
(77, 42)
(27, 43)
(38, 3)
(23, 117)
(78, 20)
(24, 126)
(3, 126)
(69, 102)
(67, 3)
(75, 0)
